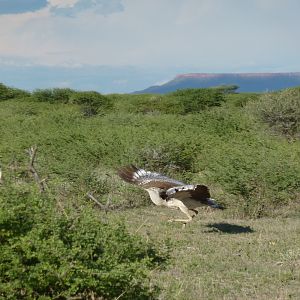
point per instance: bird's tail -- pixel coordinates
(212, 203)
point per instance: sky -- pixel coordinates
(118, 46)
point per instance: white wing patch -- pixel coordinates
(143, 175)
(146, 177)
(185, 188)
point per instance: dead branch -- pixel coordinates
(142, 225)
(32, 155)
(1, 180)
(61, 207)
(121, 295)
(102, 206)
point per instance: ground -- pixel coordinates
(215, 257)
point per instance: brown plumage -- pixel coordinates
(165, 191)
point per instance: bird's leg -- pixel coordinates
(184, 221)
(181, 220)
(185, 210)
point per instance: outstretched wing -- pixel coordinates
(192, 196)
(197, 192)
(147, 179)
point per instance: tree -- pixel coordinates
(92, 102)
(11, 93)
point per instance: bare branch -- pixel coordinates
(142, 225)
(1, 180)
(121, 295)
(32, 155)
(61, 207)
(102, 206)
(108, 203)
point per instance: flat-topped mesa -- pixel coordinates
(247, 82)
(217, 75)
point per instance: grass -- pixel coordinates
(218, 257)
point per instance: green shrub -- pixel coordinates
(196, 100)
(240, 100)
(47, 254)
(150, 105)
(261, 174)
(11, 93)
(227, 89)
(280, 110)
(166, 158)
(53, 95)
(180, 102)
(223, 146)
(91, 102)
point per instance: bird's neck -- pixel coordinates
(155, 198)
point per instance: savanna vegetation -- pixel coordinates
(58, 243)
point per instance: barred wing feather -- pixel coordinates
(197, 192)
(169, 192)
(147, 179)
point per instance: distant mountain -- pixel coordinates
(247, 82)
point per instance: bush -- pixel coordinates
(223, 146)
(11, 93)
(53, 95)
(227, 89)
(196, 100)
(149, 104)
(46, 254)
(91, 102)
(166, 158)
(240, 100)
(180, 102)
(281, 110)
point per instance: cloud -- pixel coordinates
(190, 35)
(21, 6)
(62, 3)
(120, 82)
(66, 8)
(157, 38)
(73, 8)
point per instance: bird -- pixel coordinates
(168, 192)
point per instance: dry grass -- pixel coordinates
(216, 257)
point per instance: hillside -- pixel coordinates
(57, 242)
(247, 82)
